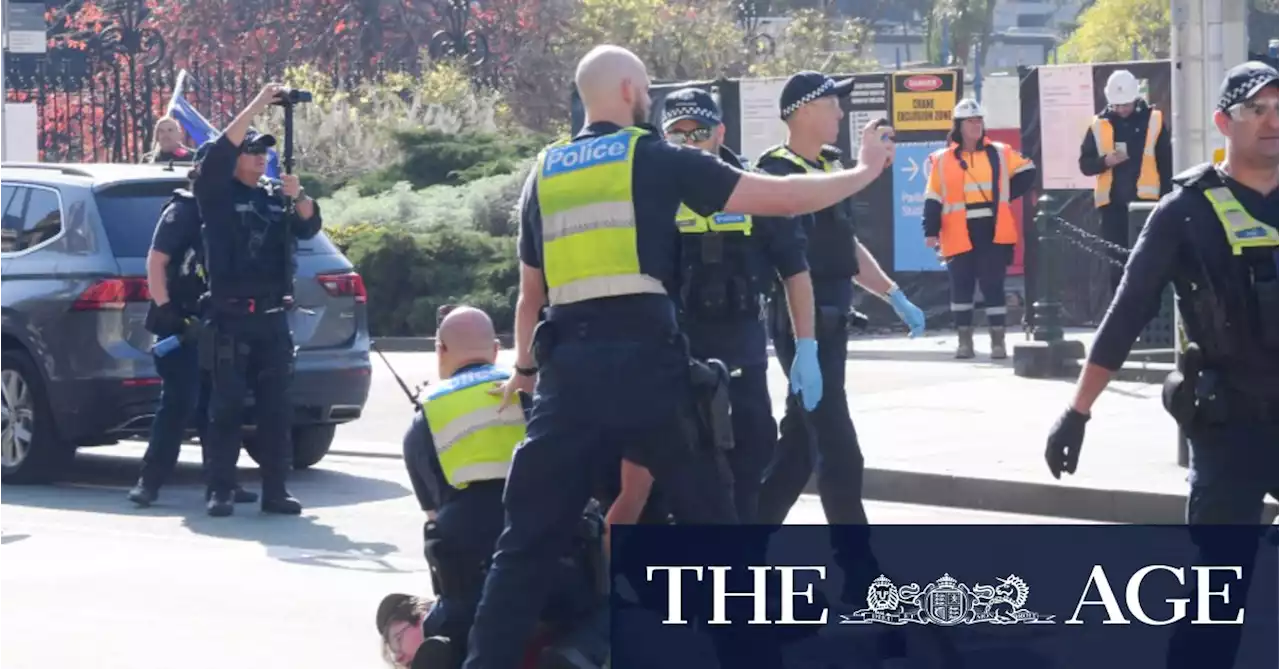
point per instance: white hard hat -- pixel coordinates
(968, 108)
(1122, 88)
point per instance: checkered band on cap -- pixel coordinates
(684, 111)
(1240, 90)
(808, 97)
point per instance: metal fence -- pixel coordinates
(105, 109)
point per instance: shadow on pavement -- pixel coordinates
(12, 538)
(297, 540)
(97, 483)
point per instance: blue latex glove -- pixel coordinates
(806, 375)
(908, 312)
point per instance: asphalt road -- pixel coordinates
(90, 581)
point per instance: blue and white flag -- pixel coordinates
(199, 129)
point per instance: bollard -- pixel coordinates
(1048, 305)
(1049, 351)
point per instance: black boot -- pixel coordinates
(143, 493)
(242, 496)
(220, 504)
(281, 502)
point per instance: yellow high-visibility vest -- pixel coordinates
(691, 223)
(589, 220)
(788, 155)
(1243, 230)
(1148, 176)
(473, 441)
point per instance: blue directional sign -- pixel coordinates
(909, 179)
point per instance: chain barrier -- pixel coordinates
(1090, 243)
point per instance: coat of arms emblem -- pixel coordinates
(947, 602)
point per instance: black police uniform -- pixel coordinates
(825, 438)
(1132, 132)
(178, 236)
(1228, 304)
(613, 380)
(250, 239)
(726, 278)
(460, 542)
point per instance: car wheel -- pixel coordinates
(311, 443)
(31, 450)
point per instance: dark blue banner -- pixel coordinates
(998, 597)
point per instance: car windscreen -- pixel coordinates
(130, 212)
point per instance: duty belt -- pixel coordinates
(251, 305)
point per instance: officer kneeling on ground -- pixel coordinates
(1215, 238)
(175, 279)
(458, 452)
(250, 230)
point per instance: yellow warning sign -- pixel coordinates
(923, 100)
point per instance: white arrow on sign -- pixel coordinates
(913, 170)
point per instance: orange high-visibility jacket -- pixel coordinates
(1104, 134)
(965, 192)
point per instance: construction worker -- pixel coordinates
(457, 452)
(729, 265)
(824, 439)
(969, 219)
(1214, 238)
(599, 245)
(1127, 128)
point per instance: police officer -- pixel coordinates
(725, 259)
(175, 279)
(250, 231)
(810, 105)
(1127, 147)
(1215, 238)
(598, 243)
(968, 218)
(458, 451)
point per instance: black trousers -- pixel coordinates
(1115, 229)
(985, 267)
(251, 351)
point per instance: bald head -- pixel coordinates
(614, 85)
(465, 336)
(466, 328)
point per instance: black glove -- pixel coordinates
(164, 320)
(1062, 453)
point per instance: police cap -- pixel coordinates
(255, 138)
(805, 87)
(1245, 81)
(690, 103)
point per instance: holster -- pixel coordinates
(1195, 395)
(544, 342)
(591, 547)
(452, 575)
(830, 321)
(712, 409)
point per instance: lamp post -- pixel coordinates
(455, 40)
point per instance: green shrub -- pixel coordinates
(409, 274)
(431, 157)
(346, 134)
(485, 205)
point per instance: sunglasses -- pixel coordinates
(254, 150)
(1254, 109)
(688, 136)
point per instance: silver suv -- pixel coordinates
(77, 367)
